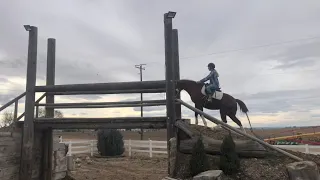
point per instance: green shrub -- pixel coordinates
(229, 160)
(110, 142)
(198, 162)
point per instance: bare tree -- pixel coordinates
(42, 113)
(7, 119)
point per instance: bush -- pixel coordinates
(110, 142)
(198, 162)
(229, 160)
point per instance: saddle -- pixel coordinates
(217, 94)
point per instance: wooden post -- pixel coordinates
(15, 115)
(26, 163)
(170, 90)
(176, 70)
(48, 137)
(129, 147)
(176, 67)
(150, 148)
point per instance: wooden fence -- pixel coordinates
(159, 147)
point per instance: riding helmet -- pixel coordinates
(211, 65)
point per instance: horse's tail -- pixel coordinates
(243, 106)
(244, 109)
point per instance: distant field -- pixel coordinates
(161, 135)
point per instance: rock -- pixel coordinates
(303, 170)
(209, 175)
(78, 160)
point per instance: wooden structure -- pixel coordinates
(47, 124)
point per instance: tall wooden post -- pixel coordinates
(176, 68)
(47, 135)
(26, 163)
(176, 73)
(170, 90)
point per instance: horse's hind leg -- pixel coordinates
(237, 121)
(223, 115)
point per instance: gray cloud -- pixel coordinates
(104, 44)
(301, 55)
(282, 101)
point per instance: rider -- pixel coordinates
(214, 82)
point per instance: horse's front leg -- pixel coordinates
(203, 120)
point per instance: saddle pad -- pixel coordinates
(216, 95)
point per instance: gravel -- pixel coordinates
(272, 167)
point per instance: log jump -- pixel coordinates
(31, 124)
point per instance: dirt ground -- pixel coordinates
(131, 168)
(143, 167)
(161, 135)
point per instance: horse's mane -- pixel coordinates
(187, 82)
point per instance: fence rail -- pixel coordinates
(90, 146)
(160, 147)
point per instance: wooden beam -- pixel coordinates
(129, 91)
(51, 55)
(244, 148)
(26, 163)
(12, 101)
(108, 106)
(102, 103)
(102, 86)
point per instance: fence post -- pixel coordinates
(129, 147)
(150, 147)
(91, 149)
(69, 149)
(307, 148)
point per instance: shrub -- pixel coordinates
(198, 162)
(229, 160)
(110, 142)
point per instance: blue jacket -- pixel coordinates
(213, 77)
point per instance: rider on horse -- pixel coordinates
(214, 82)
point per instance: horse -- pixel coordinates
(222, 101)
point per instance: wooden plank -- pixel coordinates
(26, 164)
(102, 86)
(129, 91)
(12, 101)
(101, 103)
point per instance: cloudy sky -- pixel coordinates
(266, 52)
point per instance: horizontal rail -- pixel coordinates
(98, 123)
(107, 106)
(100, 120)
(216, 121)
(12, 101)
(103, 86)
(129, 91)
(102, 103)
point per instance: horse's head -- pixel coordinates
(188, 85)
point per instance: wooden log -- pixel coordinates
(244, 148)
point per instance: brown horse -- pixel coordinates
(227, 104)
